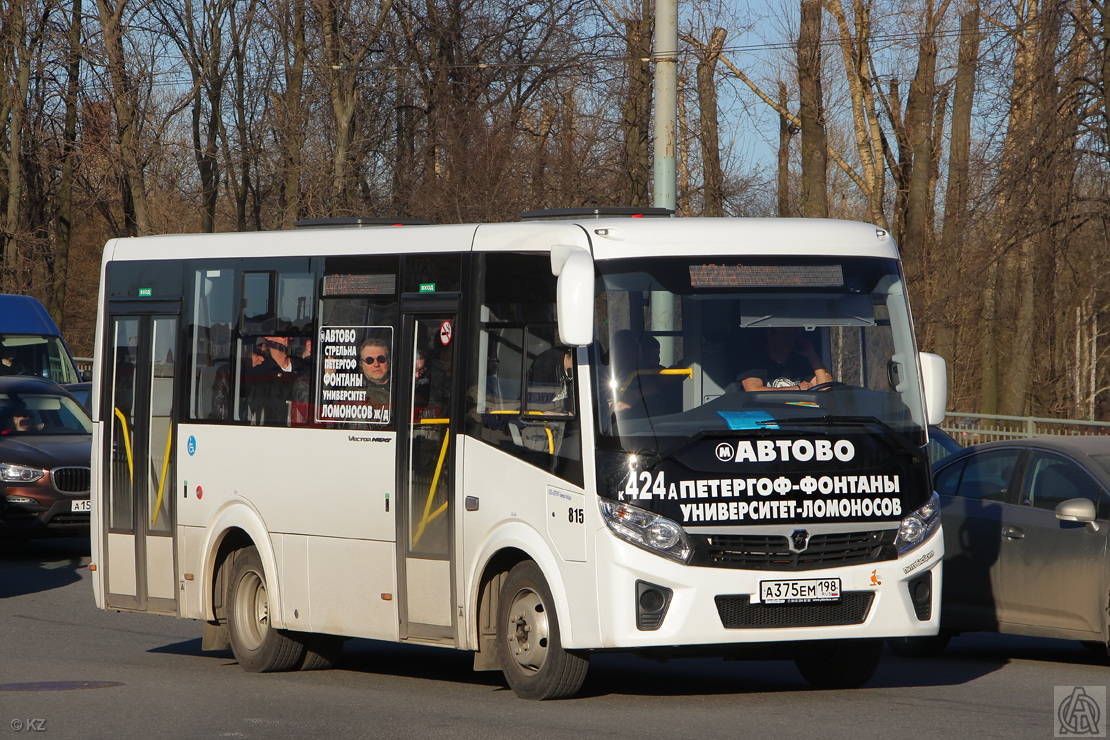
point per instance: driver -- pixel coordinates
(788, 362)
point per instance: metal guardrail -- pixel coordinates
(970, 429)
(83, 363)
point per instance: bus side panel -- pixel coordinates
(515, 511)
(323, 482)
(190, 552)
(339, 586)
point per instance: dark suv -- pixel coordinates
(45, 451)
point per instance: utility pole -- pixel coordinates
(665, 57)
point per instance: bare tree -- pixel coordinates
(348, 42)
(127, 108)
(712, 172)
(815, 187)
(68, 165)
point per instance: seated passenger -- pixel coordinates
(9, 364)
(549, 382)
(788, 362)
(20, 421)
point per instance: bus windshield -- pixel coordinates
(692, 346)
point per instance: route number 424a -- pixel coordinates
(576, 516)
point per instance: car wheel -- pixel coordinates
(529, 650)
(839, 664)
(921, 647)
(257, 646)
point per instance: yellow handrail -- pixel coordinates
(688, 372)
(127, 446)
(162, 481)
(429, 515)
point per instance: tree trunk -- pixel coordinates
(291, 116)
(127, 109)
(786, 131)
(712, 173)
(14, 265)
(952, 246)
(635, 166)
(64, 228)
(919, 134)
(815, 186)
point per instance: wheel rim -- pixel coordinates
(251, 604)
(528, 632)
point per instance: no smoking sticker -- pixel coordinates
(445, 330)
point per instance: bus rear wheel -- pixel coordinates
(839, 664)
(257, 646)
(529, 649)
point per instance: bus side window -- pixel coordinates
(522, 399)
(280, 306)
(210, 354)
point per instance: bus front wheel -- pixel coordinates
(839, 664)
(257, 646)
(529, 649)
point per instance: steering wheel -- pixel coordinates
(827, 386)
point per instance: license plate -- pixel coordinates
(84, 505)
(790, 592)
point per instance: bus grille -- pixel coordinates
(738, 613)
(71, 480)
(772, 552)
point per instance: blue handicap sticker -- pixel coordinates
(748, 419)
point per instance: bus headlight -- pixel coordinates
(654, 533)
(917, 527)
(19, 474)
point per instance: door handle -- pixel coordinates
(1013, 533)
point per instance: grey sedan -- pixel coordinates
(1025, 538)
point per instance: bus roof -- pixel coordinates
(607, 238)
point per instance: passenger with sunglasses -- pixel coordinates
(374, 359)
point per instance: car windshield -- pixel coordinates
(42, 414)
(38, 355)
(687, 347)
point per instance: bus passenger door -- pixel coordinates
(138, 472)
(427, 440)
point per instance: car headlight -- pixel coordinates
(19, 473)
(917, 527)
(642, 528)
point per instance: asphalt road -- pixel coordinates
(69, 670)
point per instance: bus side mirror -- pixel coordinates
(575, 294)
(934, 379)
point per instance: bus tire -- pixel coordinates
(257, 646)
(839, 664)
(528, 646)
(320, 651)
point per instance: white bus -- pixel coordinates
(584, 431)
